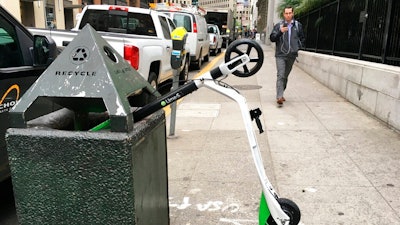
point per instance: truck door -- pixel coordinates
(17, 74)
(166, 60)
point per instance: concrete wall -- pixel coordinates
(374, 87)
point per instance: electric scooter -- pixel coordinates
(273, 210)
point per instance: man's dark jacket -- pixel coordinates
(282, 43)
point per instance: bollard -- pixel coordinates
(175, 85)
(64, 173)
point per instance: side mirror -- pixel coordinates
(44, 50)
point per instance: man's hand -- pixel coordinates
(284, 29)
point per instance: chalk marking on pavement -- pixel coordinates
(237, 221)
(210, 206)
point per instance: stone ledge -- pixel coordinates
(373, 87)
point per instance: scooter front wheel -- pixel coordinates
(287, 205)
(252, 49)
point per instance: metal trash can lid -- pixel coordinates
(89, 75)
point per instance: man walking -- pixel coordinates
(288, 37)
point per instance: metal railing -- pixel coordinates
(361, 29)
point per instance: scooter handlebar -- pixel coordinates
(234, 64)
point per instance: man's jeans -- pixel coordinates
(283, 66)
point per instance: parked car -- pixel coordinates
(215, 38)
(197, 42)
(23, 58)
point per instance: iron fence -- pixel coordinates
(361, 29)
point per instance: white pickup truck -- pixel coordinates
(141, 36)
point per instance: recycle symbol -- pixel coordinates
(79, 55)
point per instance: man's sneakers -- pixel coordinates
(280, 101)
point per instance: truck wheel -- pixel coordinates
(153, 79)
(199, 62)
(207, 57)
(184, 75)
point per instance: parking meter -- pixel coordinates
(179, 36)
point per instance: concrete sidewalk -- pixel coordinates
(339, 164)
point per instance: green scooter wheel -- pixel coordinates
(287, 205)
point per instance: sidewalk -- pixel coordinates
(339, 164)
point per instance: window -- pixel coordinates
(183, 21)
(96, 18)
(119, 22)
(171, 24)
(10, 53)
(165, 27)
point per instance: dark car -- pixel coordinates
(23, 58)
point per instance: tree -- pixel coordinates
(302, 6)
(309, 5)
(262, 6)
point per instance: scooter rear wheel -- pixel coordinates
(291, 209)
(288, 206)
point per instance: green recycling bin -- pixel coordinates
(65, 172)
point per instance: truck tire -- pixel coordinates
(199, 61)
(207, 57)
(153, 79)
(184, 75)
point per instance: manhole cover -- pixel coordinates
(247, 87)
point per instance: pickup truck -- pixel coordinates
(141, 36)
(23, 58)
(215, 38)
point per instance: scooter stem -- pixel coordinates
(277, 213)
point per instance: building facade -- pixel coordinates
(61, 14)
(58, 14)
(242, 11)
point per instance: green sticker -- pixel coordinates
(163, 103)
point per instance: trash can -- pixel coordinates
(64, 172)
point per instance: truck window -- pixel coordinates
(96, 18)
(127, 23)
(10, 53)
(183, 21)
(165, 27)
(171, 25)
(145, 24)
